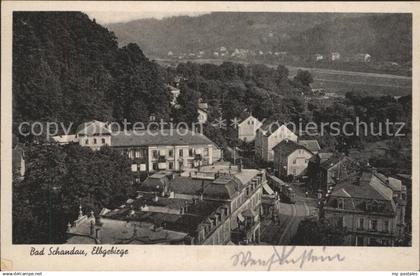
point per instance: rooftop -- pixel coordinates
(286, 147)
(169, 137)
(311, 145)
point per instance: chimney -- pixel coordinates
(92, 228)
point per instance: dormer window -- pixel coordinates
(103, 140)
(87, 142)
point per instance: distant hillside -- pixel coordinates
(383, 36)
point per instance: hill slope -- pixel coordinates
(67, 68)
(383, 36)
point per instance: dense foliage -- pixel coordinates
(59, 179)
(67, 68)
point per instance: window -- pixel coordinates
(206, 152)
(340, 204)
(94, 141)
(103, 140)
(190, 152)
(134, 167)
(155, 154)
(87, 142)
(171, 165)
(359, 241)
(162, 152)
(386, 226)
(130, 154)
(373, 225)
(137, 180)
(155, 166)
(171, 153)
(138, 154)
(361, 223)
(181, 152)
(294, 161)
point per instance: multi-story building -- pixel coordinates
(165, 149)
(290, 159)
(239, 189)
(327, 169)
(247, 128)
(370, 208)
(268, 136)
(149, 150)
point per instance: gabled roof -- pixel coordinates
(159, 137)
(311, 145)
(286, 147)
(92, 128)
(365, 185)
(270, 126)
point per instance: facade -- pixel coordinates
(290, 159)
(202, 209)
(268, 136)
(311, 145)
(165, 149)
(371, 209)
(247, 129)
(326, 169)
(202, 112)
(151, 150)
(239, 189)
(335, 56)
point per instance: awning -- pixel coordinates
(241, 218)
(268, 189)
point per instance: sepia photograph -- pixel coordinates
(209, 127)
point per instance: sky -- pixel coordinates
(105, 17)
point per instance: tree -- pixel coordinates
(303, 77)
(59, 179)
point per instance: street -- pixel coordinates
(289, 217)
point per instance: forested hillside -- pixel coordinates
(384, 36)
(67, 68)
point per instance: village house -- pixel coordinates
(18, 163)
(370, 207)
(290, 159)
(202, 112)
(335, 56)
(268, 136)
(362, 57)
(247, 128)
(318, 57)
(326, 169)
(312, 145)
(175, 93)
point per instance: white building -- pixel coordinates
(268, 136)
(247, 129)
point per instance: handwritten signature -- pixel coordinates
(284, 255)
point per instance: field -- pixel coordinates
(340, 82)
